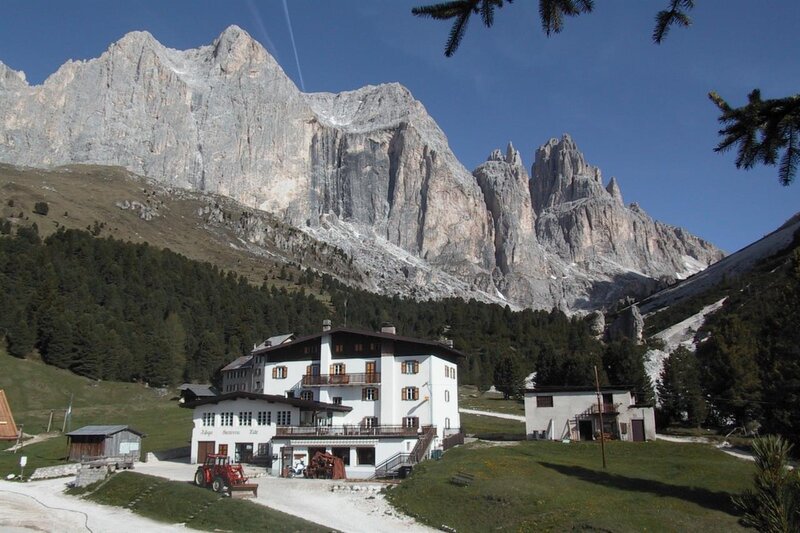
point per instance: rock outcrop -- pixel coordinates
(367, 170)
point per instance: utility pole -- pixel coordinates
(67, 416)
(600, 412)
(19, 439)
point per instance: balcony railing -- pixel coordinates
(608, 408)
(346, 431)
(341, 379)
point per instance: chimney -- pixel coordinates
(326, 325)
(388, 328)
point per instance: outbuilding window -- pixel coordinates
(245, 418)
(208, 419)
(544, 401)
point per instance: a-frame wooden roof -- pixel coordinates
(8, 429)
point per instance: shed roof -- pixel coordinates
(104, 431)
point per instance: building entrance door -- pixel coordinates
(287, 455)
(585, 429)
(637, 428)
(204, 447)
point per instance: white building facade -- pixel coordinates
(573, 413)
(375, 399)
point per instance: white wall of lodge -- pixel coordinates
(358, 464)
(562, 419)
(435, 382)
(223, 425)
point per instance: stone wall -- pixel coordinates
(49, 472)
(90, 474)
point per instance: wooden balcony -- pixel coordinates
(324, 380)
(346, 431)
(608, 409)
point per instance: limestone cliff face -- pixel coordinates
(226, 119)
(367, 170)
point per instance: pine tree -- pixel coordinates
(679, 389)
(508, 377)
(773, 505)
(21, 337)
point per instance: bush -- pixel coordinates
(41, 208)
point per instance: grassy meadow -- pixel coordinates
(469, 397)
(550, 486)
(34, 389)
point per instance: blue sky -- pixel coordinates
(637, 110)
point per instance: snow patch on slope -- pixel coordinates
(680, 334)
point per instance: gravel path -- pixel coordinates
(361, 510)
(42, 506)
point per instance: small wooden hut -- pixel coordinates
(116, 443)
(8, 429)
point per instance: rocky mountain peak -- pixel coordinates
(137, 40)
(367, 170)
(561, 175)
(10, 78)
(235, 48)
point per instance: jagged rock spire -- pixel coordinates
(561, 174)
(613, 190)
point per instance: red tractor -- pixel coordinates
(218, 473)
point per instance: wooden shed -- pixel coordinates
(118, 443)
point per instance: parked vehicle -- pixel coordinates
(222, 476)
(298, 470)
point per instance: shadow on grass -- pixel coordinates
(715, 500)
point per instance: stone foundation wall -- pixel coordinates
(49, 472)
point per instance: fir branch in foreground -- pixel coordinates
(765, 131)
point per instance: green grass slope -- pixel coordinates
(34, 389)
(176, 502)
(547, 486)
(86, 197)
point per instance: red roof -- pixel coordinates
(8, 429)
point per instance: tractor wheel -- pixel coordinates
(199, 478)
(218, 485)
